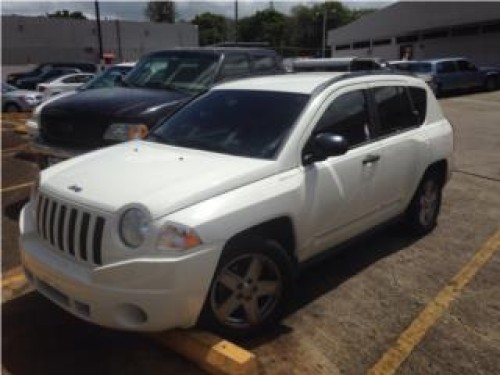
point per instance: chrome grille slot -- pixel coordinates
(70, 230)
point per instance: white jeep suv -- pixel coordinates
(208, 218)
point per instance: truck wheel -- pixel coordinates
(11, 107)
(491, 84)
(250, 288)
(423, 211)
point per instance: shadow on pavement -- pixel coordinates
(40, 338)
(328, 272)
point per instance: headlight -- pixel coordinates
(124, 132)
(133, 227)
(176, 237)
(29, 99)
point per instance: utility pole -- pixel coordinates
(323, 43)
(235, 21)
(99, 35)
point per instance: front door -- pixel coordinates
(336, 188)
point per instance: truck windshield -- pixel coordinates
(236, 122)
(109, 78)
(189, 72)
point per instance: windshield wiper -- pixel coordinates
(154, 137)
(198, 144)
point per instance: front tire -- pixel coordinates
(249, 289)
(423, 211)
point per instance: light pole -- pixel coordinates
(99, 35)
(323, 43)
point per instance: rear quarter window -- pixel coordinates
(394, 108)
(264, 64)
(418, 97)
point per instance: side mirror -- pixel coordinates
(322, 146)
(118, 80)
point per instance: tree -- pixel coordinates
(66, 14)
(266, 25)
(160, 11)
(212, 28)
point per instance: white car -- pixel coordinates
(69, 82)
(208, 219)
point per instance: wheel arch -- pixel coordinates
(279, 229)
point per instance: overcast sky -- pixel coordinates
(134, 10)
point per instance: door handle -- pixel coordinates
(370, 158)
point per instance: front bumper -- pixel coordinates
(142, 294)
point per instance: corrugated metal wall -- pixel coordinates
(31, 40)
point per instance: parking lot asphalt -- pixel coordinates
(347, 311)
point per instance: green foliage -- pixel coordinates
(265, 26)
(67, 14)
(160, 11)
(212, 28)
(297, 34)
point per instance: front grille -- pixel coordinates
(70, 230)
(72, 129)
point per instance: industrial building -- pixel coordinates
(423, 30)
(33, 40)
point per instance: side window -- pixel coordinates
(71, 79)
(82, 78)
(419, 100)
(348, 116)
(446, 67)
(394, 108)
(466, 66)
(264, 63)
(235, 65)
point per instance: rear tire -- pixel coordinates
(491, 83)
(249, 290)
(423, 210)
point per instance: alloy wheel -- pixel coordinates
(246, 291)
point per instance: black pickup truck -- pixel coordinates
(159, 84)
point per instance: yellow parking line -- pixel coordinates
(16, 187)
(413, 335)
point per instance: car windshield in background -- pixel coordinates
(189, 72)
(414, 67)
(236, 122)
(109, 78)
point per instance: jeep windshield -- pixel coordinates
(185, 71)
(235, 122)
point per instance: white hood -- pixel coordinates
(162, 178)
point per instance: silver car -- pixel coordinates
(17, 100)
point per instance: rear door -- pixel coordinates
(400, 152)
(471, 76)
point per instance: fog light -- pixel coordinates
(130, 315)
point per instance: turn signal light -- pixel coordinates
(137, 131)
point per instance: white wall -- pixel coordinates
(483, 49)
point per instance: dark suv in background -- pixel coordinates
(157, 86)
